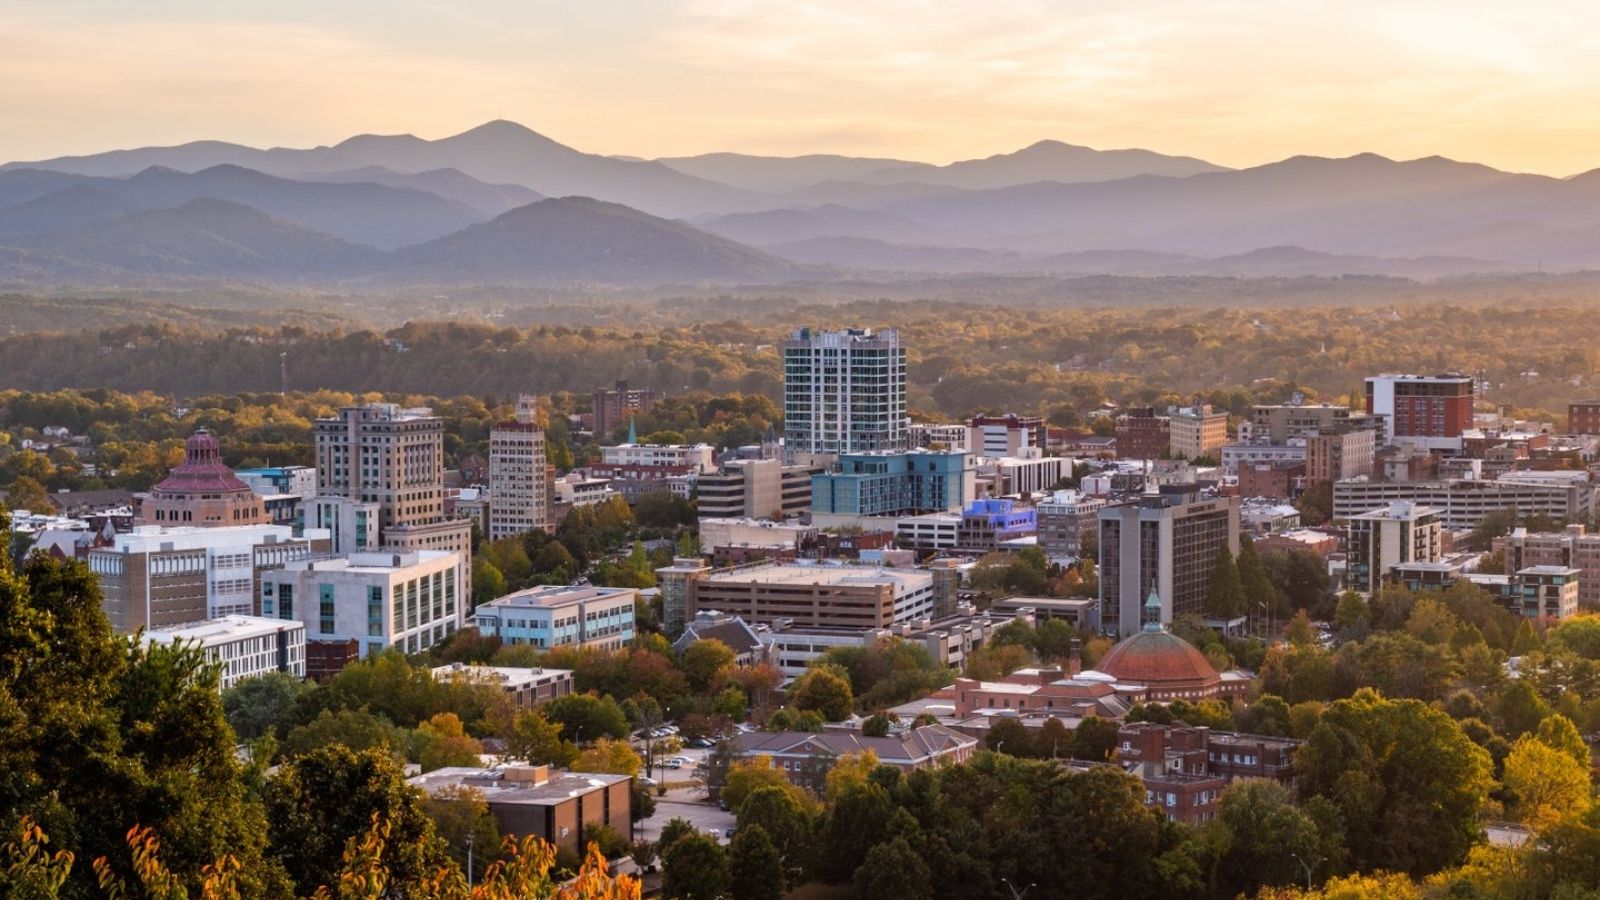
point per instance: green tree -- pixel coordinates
(746, 776)
(787, 821)
(1260, 596)
(320, 802)
(1557, 732)
(694, 868)
(1579, 635)
(257, 707)
(536, 739)
(755, 866)
(1519, 709)
(1094, 739)
(1351, 613)
(1256, 835)
(586, 717)
(703, 660)
(892, 870)
(826, 690)
(461, 817)
(356, 729)
(862, 809)
(1225, 597)
(876, 725)
(27, 493)
(1405, 779)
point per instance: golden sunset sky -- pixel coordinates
(1238, 82)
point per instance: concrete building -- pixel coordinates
(613, 407)
(1380, 539)
(928, 533)
(154, 577)
(1573, 547)
(699, 457)
(1337, 455)
(1022, 476)
(894, 484)
(844, 392)
(1463, 503)
(673, 582)
(577, 488)
(1235, 457)
(520, 501)
(755, 488)
(527, 688)
(385, 454)
(242, 646)
(555, 806)
(301, 481)
(1166, 543)
(1141, 434)
(1282, 480)
(351, 524)
(561, 616)
(814, 595)
(987, 525)
(1280, 423)
(1196, 431)
(1545, 592)
(1427, 411)
(935, 436)
(1064, 518)
(357, 606)
(202, 492)
(1007, 435)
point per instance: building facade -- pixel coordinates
(1429, 411)
(1337, 455)
(1564, 496)
(1583, 417)
(1164, 542)
(203, 492)
(555, 806)
(1141, 434)
(844, 392)
(242, 647)
(814, 595)
(894, 484)
(561, 616)
(1064, 518)
(614, 406)
(1378, 540)
(1573, 547)
(518, 490)
(1196, 431)
(1007, 435)
(756, 489)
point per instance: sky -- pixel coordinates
(1238, 82)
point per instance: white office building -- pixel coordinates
(242, 646)
(405, 599)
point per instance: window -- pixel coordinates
(286, 601)
(325, 602)
(374, 611)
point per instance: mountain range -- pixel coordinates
(502, 204)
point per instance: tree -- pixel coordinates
(322, 802)
(1557, 732)
(755, 867)
(442, 741)
(1405, 779)
(892, 870)
(1548, 785)
(848, 770)
(694, 868)
(461, 818)
(876, 725)
(745, 776)
(787, 821)
(1299, 631)
(1351, 613)
(703, 660)
(1519, 709)
(1260, 597)
(1579, 635)
(257, 707)
(356, 729)
(862, 809)
(1225, 594)
(1094, 738)
(586, 717)
(826, 690)
(608, 756)
(536, 739)
(1258, 832)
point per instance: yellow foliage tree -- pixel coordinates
(1549, 785)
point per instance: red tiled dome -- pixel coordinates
(1159, 659)
(202, 470)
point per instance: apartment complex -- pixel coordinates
(518, 480)
(356, 606)
(1335, 455)
(155, 577)
(894, 484)
(242, 646)
(1428, 411)
(1563, 496)
(1141, 434)
(936, 436)
(756, 489)
(1380, 539)
(614, 406)
(1573, 547)
(1196, 431)
(1279, 423)
(1583, 417)
(844, 392)
(1166, 543)
(814, 595)
(561, 616)
(202, 492)
(387, 455)
(1064, 518)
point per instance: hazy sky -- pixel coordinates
(1515, 85)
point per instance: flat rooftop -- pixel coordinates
(223, 629)
(842, 576)
(555, 595)
(503, 785)
(497, 674)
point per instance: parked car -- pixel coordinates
(729, 833)
(647, 781)
(672, 764)
(700, 743)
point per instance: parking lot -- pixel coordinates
(689, 804)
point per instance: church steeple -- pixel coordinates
(1152, 612)
(633, 431)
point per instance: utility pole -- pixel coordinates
(1307, 866)
(469, 857)
(283, 372)
(1016, 894)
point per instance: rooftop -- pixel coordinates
(496, 674)
(532, 785)
(551, 596)
(863, 576)
(222, 630)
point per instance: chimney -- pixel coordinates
(1075, 658)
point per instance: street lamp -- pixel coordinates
(1016, 894)
(1308, 867)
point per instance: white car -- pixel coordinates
(647, 781)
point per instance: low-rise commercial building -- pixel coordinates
(527, 687)
(561, 616)
(242, 646)
(555, 806)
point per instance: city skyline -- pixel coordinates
(1239, 84)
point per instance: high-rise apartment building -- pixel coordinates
(1196, 431)
(1166, 543)
(1339, 454)
(382, 453)
(1583, 417)
(1574, 546)
(1429, 411)
(1393, 535)
(844, 391)
(518, 499)
(613, 407)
